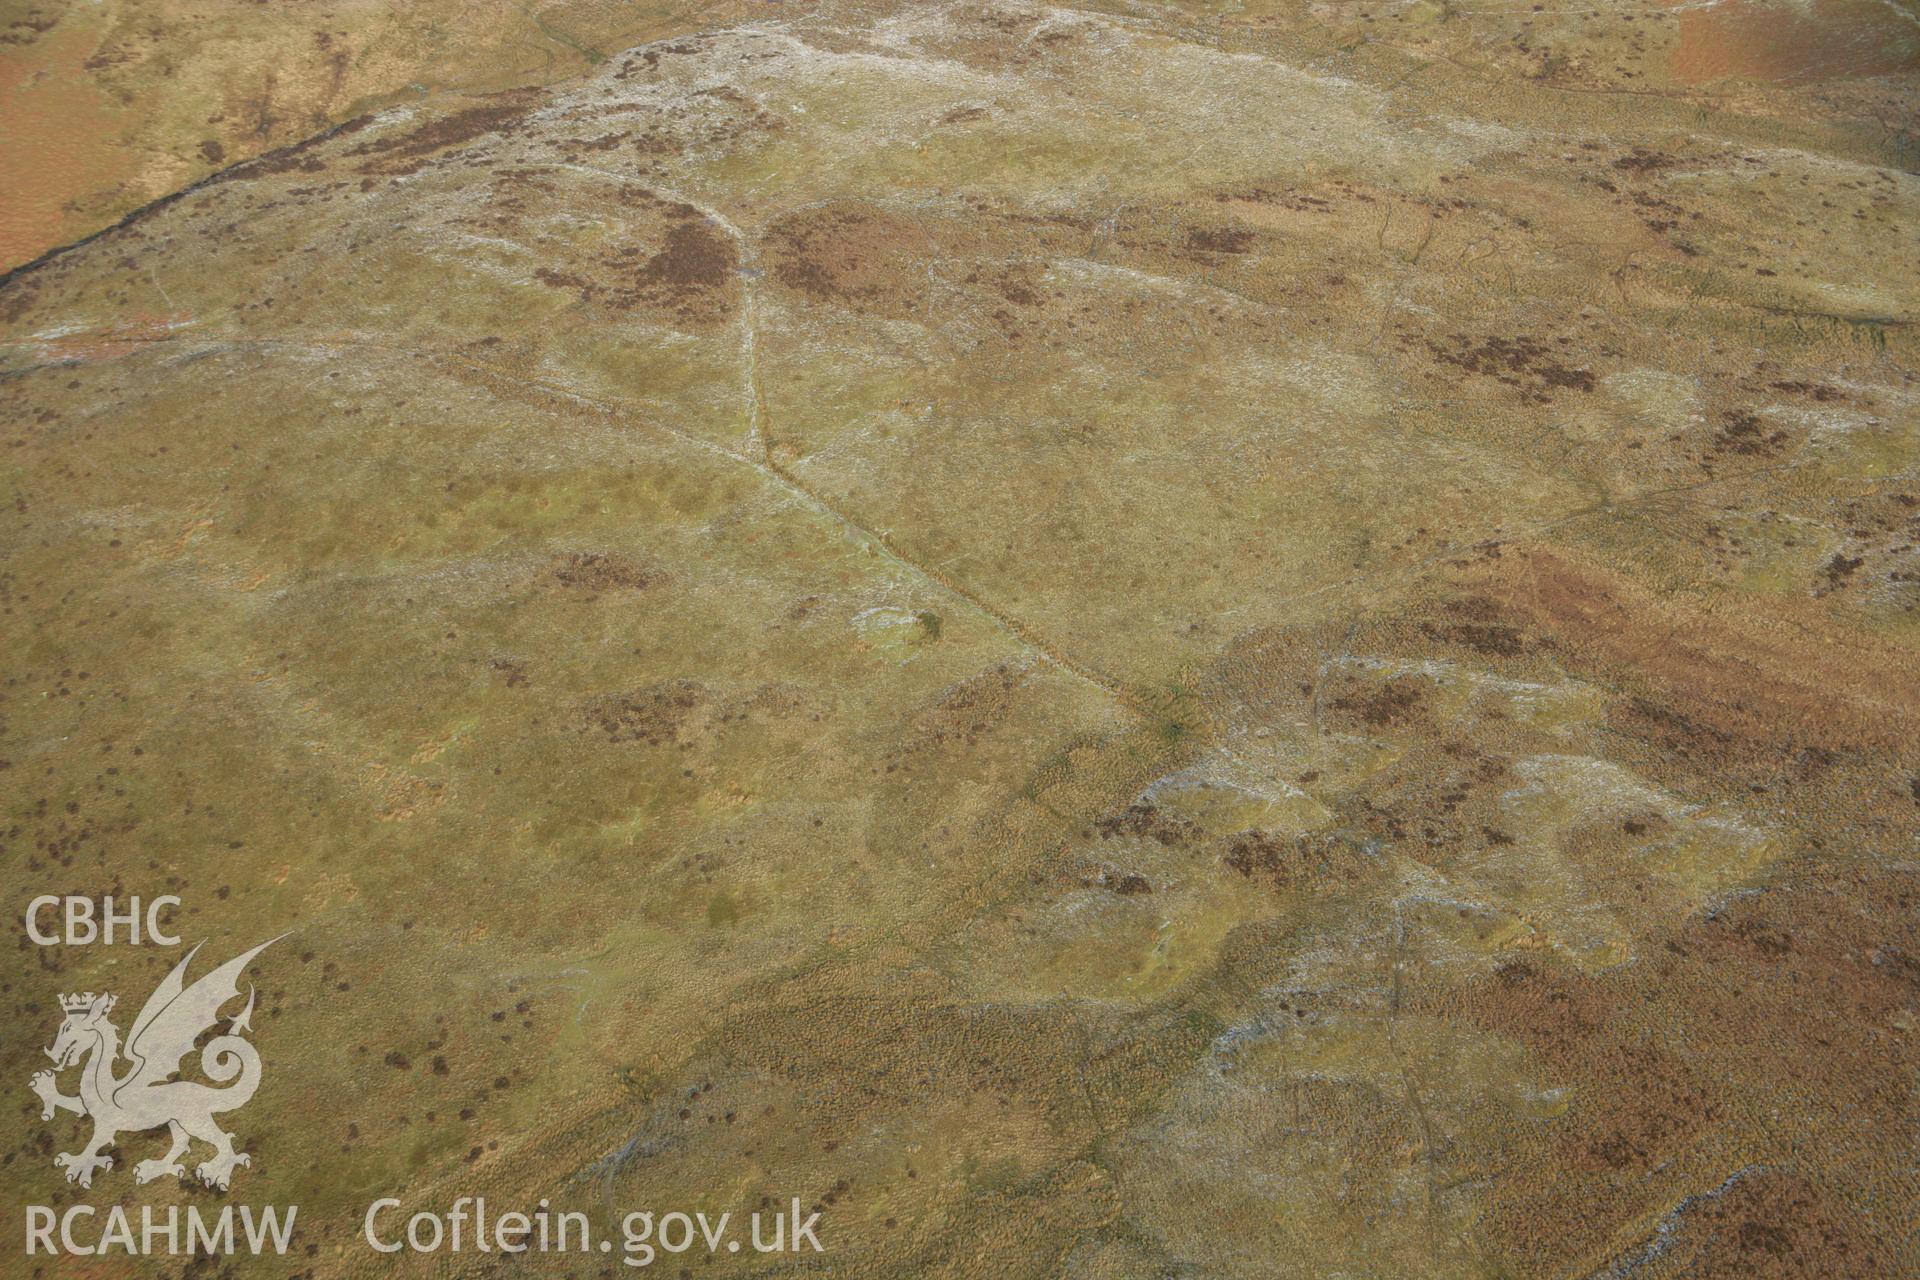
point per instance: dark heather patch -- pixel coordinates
(404, 153)
(697, 259)
(1397, 702)
(1526, 364)
(1489, 638)
(593, 571)
(1641, 161)
(1219, 239)
(654, 715)
(1743, 434)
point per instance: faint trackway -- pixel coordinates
(505, 382)
(759, 453)
(882, 542)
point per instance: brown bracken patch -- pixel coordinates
(1741, 681)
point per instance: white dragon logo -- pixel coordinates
(174, 1017)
